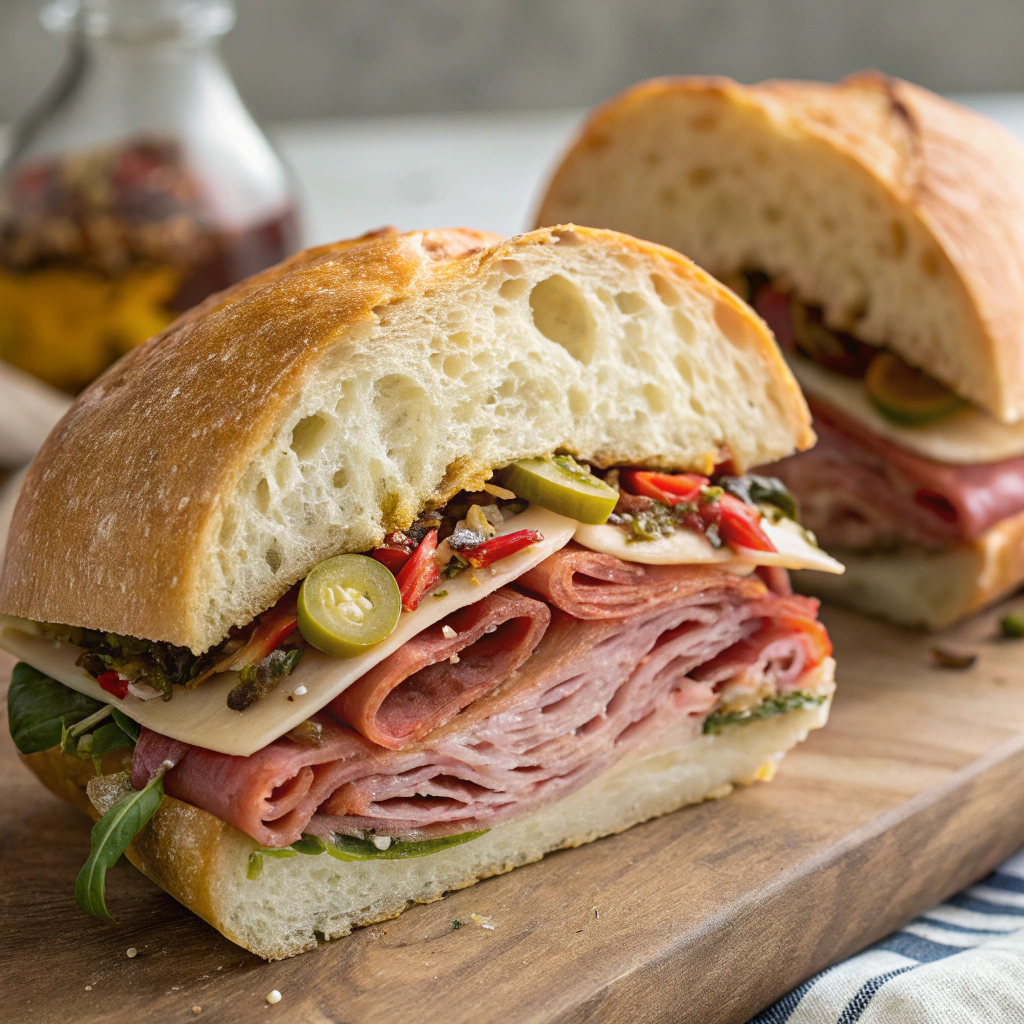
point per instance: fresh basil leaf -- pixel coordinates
(38, 708)
(111, 836)
(105, 739)
(129, 726)
(719, 720)
(349, 848)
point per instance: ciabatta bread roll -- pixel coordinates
(875, 225)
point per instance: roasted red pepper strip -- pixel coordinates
(501, 547)
(668, 488)
(113, 683)
(391, 558)
(419, 573)
(274, 626)
(271, 631)
(738, 523)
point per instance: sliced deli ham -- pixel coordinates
(433, 676)
(860, 491)
(590, 692)
(591, 585)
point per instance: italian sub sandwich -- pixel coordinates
(879, 230)
(405, 562)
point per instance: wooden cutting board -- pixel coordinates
(912, 791)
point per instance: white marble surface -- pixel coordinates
(481, 170)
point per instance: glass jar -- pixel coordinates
(138, 186)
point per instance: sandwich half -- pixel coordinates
(406, 562)
(879, 230)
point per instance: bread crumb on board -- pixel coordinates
(273, 996)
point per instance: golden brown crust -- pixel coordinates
(958, 174)
(1000, 560)
(120, 511)
(128, 485)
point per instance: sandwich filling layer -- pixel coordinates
(523, 663)
(716, 648)
(901, 461)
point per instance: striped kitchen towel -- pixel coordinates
(961, 962)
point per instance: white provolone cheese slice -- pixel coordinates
(202, 716)
(967, 437)
(687, 547)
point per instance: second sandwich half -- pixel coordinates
(426, 554)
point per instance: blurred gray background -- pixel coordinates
(304, 59)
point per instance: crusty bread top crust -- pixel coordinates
(328, 400)
(947, 172)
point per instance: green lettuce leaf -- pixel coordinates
(39, 709)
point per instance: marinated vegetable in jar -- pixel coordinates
(138, 187)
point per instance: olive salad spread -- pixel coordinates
(350, 602)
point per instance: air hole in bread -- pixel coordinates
(263, 496)
(465, 411)
(666, 291)
(684, 327)
(340, 478)
(460, 339)
(403, 411)
(514, 288)
(561, 314)
(454, 366)
(272, 556)
(629, 302)
(697, 405)
(484, 359)
(566, 236)
(735, 327)
(700, 176)
(656, 398)
(308, 436)
(682, 364)
(632, 336)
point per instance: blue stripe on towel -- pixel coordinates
(1001, 880)
(779, 1013)
(914, 947)
(984, 906)
(859, 1003)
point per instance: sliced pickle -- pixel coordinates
(907, 395)
(347, 604)
(560, 484)
(349, 848)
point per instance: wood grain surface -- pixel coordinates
(707, 915)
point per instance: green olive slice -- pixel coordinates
(560, 484)
(347, 604)
(907, 395)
